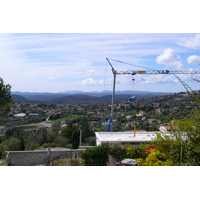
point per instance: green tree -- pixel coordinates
(86, 131)
(44, 139)
(96, 156)
(190, 145)
(172, 146)
(72, 133)
(136, 151)
(6, 100)
(11, 144)
(56, 127)
(118, 152)
(22, 143)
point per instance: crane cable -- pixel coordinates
(105, 77)
(193, 94)
(131, 64)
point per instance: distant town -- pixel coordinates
(43, 124)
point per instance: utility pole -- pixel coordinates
(80, 142)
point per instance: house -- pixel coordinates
(128, 117)
(20, 115)
(141, 113)
(33, 114)
(168, 128)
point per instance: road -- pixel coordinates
(42, 124)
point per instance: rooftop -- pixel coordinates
(125, 136)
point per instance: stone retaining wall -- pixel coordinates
(38, 157)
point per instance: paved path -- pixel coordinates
(42, 124)
(1, 162)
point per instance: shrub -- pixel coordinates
(96, 156)
(11, 144)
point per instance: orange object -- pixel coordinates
(149, 149)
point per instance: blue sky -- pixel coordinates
(57, 62)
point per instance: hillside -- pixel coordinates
(86, 99)
(19, 98)
(48, 97)
(83, 98)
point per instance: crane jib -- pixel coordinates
(157, 72)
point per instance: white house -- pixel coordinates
(20, 115)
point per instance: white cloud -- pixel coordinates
(194, 59)
(51, 78)
(88, 72)
(91, 82)
(190, 42)
(169, 58)
(36, 59)
(154, 79)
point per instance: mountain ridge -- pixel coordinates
(84, 97)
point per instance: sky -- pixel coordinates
(58, 62)
(55, 46)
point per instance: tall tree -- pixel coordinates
(87, 132)
(6, 100)
(72, 133)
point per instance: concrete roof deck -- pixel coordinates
(125, 136)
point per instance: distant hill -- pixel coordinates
(19, 98)
(56, 97)
(86, 99)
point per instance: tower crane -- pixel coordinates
(134, 72)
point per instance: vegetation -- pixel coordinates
(6, 100)
(96, 156)
(182, 146)
(10, 144)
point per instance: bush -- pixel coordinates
(118, 152)
(11, 144)
(156, 158)
(34, 146)
(96, 156)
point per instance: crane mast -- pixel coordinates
(134, 72)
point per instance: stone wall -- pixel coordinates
(37, 157)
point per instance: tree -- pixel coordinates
(137, 151)
(22, 143)
(6, 101)
(72, 133)
(11, 144)
(85, 128)
(43, 139)
(96, 156)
